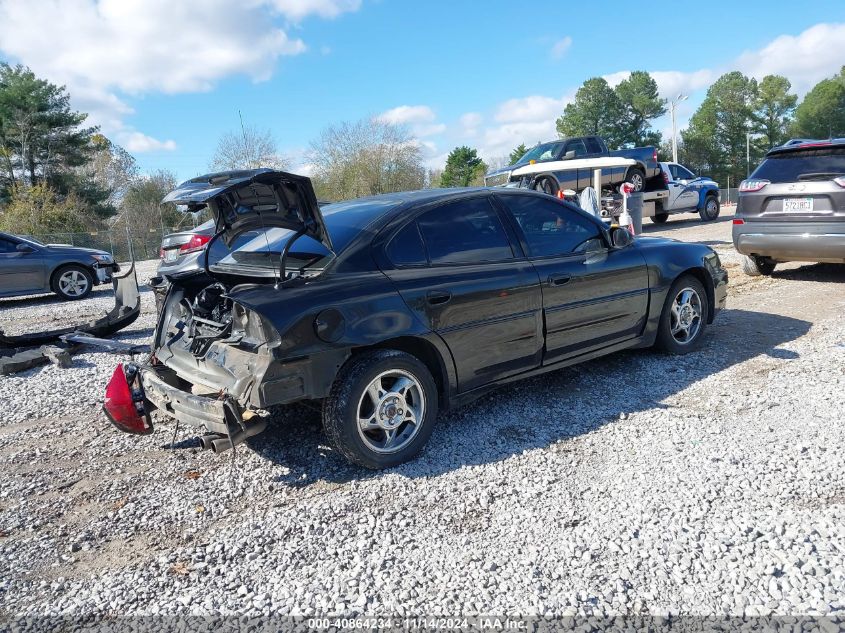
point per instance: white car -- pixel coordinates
(688, 193)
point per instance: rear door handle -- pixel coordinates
(436, 297)
(559, 280)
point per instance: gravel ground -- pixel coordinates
(636, 484)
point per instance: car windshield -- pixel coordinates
(817, 163)
(263, 249)
(544, 151)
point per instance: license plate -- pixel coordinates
(797, 205)
(171, 255)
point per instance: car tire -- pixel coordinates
(636, 177)
(756, 266)
(660, 218)
(546, 185)
(681, 328)
(364, 392)
(710, 210)
(72, 282)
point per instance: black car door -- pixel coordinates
(593, 295)
(456, 268)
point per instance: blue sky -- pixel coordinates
(166, 81)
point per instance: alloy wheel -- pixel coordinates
(686, 314)
(390, 411)
(73, 283)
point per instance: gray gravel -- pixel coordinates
(636, 484)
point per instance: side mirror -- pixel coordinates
(569, 155)
(25, 248)
(620, 237)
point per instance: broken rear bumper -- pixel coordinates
(228, 422)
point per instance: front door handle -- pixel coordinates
(436, 297)
(559, 280)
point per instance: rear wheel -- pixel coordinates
(636, 177)
(73, 282)
(710, 211)
(381, 409)
(660, 218)
(756, 266)
(546, 185)
(684, 316)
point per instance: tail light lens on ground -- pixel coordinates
(124, 408)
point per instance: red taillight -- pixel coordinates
(196, 243)
(752, 184)
(560, 194)
(665, 178)
(123, 409)
(161, 253)
(738, 221)
(654, 155)
(840, 180)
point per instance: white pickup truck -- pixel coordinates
(688, 193)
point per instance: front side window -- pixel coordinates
(464, 232)
(683, 173)
(578, 147)
(7, 246)
(552, 228)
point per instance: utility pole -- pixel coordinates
(672, 105)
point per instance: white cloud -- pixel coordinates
(560, 48)
(140, 143)
(469, 122)
(405, 114)
(526, 120)
(532, 108)
(419, 118)
(299, 9)
(804, 59)
(107, 50)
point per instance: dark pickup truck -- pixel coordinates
(577, 148)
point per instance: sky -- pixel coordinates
(167, 78)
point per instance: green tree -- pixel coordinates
(714, 142)
(517, 153)
(773, 109)
(822, 112)
(640, 105)
(463, 168)
(41, 138)
(595, 110)
(38, 209)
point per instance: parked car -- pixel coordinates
(645, 168)
(181, 251)
(28, 267)
(792, 208)
(391, 308)
(688, 193)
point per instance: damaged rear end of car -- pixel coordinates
(217, 362)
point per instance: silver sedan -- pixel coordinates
(29, 267)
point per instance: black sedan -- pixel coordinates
(392, 308)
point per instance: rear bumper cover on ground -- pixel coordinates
(792, 241)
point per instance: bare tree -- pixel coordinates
(248, 148)
(365, 157)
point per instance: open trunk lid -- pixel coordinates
(255, 199)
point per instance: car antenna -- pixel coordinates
(252, 165)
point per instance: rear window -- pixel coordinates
(811, 164)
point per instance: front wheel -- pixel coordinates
(684, 316)
(381, 409)
(756, 266)
(711, 209)
(73, 282)
(546, 185)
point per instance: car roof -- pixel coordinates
(796, 145)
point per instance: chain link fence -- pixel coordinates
(122, 245)
(728, 196)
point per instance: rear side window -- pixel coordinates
(464, 232)
(551, 228)
(822, 163)
(7, 246)
(406, 247)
